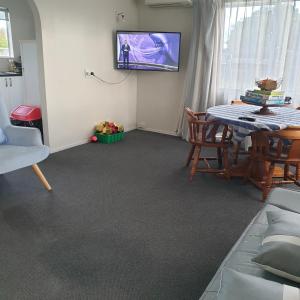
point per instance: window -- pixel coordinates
(261, 39)
(6, 47)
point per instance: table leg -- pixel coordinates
(259, 167)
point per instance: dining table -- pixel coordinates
(244, 121)
(283, 117)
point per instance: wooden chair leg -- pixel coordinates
(190, 155)
(226, 163)
(41, 176)
(195, 162)
(298, 172)
(268, 184)
(236, 153)
(248, 172)
(286, 171)
(220, 160)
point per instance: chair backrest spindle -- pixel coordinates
(288, 144)
(203, 130)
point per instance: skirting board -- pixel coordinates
(79, 143)
(159, 131)
(65, 147)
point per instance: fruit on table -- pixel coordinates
(268, 84)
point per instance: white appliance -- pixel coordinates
(168, 3)
(29, 56)
(11, 91)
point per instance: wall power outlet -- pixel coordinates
(141, 124)
(87, 73)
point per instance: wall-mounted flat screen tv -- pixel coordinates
(148, 51)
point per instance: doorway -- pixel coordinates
(40, 62)
(21, 60)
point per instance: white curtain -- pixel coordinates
(203, 72)
(261, 39)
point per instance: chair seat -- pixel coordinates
(281, 160)
(15, 157)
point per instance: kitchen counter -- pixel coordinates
(9, 74)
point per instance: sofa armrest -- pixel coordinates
(23, 136)
(285, 199)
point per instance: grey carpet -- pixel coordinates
(123, 222)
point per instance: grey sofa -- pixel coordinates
(239, 258)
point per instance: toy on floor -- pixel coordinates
(94, 139)
(108, 133)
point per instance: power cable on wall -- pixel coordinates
(99, 79)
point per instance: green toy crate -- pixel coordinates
(109, 138)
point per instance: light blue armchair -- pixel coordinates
(23, 148)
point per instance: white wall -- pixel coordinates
(22, 25)
(76, 35)
(159, 93)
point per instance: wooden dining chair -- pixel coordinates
(203, 134)
(283, 153)
(297, 166)
(195, 116)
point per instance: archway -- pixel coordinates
(39, 40)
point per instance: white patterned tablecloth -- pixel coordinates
(229, 114)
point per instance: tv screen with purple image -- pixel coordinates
(149, 51)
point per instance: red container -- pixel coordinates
(26, 113)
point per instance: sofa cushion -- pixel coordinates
(236, 285)
(3, 138)
(280, 252)
(283, 223)
(285, 199)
